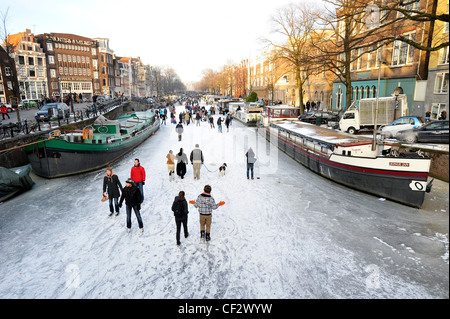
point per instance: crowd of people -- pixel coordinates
(133, 192)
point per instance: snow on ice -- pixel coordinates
(289, 234)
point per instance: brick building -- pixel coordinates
(105, 67)
(72, 64)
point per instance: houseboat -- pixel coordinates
(247, 113)
(275, 113)
(96, 146)
(382, 170)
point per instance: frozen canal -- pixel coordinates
(289, 234)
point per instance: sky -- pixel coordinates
(189, 36)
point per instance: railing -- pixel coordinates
(28, 127)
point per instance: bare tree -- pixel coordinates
(294, 23)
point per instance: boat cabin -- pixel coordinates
(275, 113)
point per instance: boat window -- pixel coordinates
(285, 113)
(276, 113)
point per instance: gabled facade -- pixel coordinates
(31, 66)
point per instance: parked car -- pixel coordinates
(53, 110)
(312, 116)
(401, 124)
(10, 109)
(432, 132)
(30, 103)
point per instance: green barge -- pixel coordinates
(104, 142)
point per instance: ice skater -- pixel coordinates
(111, 185)
(206, 204)
(180, 211)
(133, 200)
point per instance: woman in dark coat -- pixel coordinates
(181, 163)
(180, 211)
(112, 183)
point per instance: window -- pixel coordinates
(59, 57)
(51, 59)
(94, 51)
(21, 60)
(444, 55)
(75, 71)
(64, 58)
(403, 53)
(66, 71)
(411, 6)
(22, 72)
(40, 72)
(49, 46)
(69, 58)
(39, 62)
(52, 73)
(78, 59)
(441, 83)
(436, 109)
(7, 71)
(102, 57)
(374, 91)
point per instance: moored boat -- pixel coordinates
(384, 171)
(96, 146)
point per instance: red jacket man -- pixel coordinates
(137, 172)
(138, 176)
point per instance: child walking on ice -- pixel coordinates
(205, 204)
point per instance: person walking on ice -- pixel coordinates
(205, 204)
(171, 165)
(196, 160)
(180, 211)
(138, 176)
(179, 129)
(133, 200)
(111, 185)
(182, 161)
(250, 161)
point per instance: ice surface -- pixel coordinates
(289, 234)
